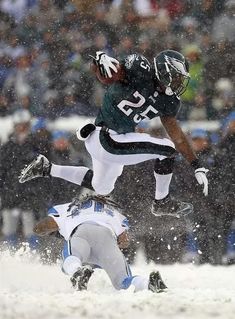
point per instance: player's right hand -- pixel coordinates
(106, 64)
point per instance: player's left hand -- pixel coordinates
(200, 174)
(105, 63)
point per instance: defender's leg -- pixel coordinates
(75, 254)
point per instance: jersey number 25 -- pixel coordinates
(127, 107)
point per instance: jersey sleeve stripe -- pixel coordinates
(53, 211)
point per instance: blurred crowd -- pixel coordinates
(44, 75)
(45, 47)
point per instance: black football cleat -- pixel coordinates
(171, 207)
(81, 277)
(156, 284)
(39, 167)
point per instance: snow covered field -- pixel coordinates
(30, 290)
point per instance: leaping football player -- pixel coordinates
(137, 90)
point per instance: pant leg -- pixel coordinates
(110, 152)
(73, 174)
(129, 148)
(105, 252)
(76, 252)
(105, 176)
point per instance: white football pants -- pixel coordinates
(111, 151)
(96, 245)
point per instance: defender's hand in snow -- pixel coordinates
(200, 175)
(106, 64)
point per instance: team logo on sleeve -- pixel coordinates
(129, 60)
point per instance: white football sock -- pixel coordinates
(140, 283)
(71, 265)
(73, 174)
(162, 185)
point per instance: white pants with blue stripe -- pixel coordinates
(96, 245)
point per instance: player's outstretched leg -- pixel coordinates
(81, 277)
(39, 167)
(42, 167)
(156, 284)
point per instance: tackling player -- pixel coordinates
(95, 231)
(137, 91)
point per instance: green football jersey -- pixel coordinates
(127, 103)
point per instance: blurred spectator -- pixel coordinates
(125, 47)
(207, 11)
(223, 27)
(5, 68)
(14, 49)
(50, 101)
(17, 202)
(15, 8)
(220, 64)
(49, 49)
(189, 34)
(4, 106)
(226, 167)
(193, 54)
(204, 242)
(62, 191)
(202, 109)
(223, 100)
(18, 82)
(41, 138)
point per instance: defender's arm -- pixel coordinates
(123, 240)
(46, 226)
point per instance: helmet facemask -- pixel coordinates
(173, 75)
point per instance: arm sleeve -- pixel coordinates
(52, 212)
(169, 105)
(124, 222)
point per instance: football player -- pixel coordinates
(136, 91)
(94, 231)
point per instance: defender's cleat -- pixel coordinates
(171, 207)
(39, 167)
(81, 277)
(156, 284)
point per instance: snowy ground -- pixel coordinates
(30, 290)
